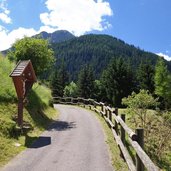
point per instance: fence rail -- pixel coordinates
(120, 131)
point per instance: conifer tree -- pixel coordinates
(59, 81)
(163, 82)
(118, 81)
(86, 82)
(145, 76)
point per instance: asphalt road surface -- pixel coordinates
(75, 142)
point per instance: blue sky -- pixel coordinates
(143, 23)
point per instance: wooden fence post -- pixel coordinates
(140, 141)
(122, 129)
(116, 124)
(110, 115)
(102, 108)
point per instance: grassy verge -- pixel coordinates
(12, 140)
(157, 137)
(38, 114)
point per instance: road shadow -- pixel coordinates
(38, 142)
(62, 126)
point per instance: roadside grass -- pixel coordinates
(12, 139)
(157, 146)
(159, 130)
(38, 114)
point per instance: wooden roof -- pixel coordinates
(24, 69)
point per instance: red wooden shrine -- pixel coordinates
(23, 77)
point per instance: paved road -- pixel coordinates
(75, 142)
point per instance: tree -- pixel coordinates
(145, 76)
(99, 91)
(37, 50)
(59, 81)
(138, 104)
(118, 81)
(86, 82)
(71, 90)
(163, 82)
(56, 86)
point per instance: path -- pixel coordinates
(75, 142)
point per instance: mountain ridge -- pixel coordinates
(55, 37)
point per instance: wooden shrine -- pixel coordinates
(23, 77)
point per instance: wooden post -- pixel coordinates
(140, 140)
(110, 115)
(102, 107)
(94, 104)
(106, 112)
(122, 130)
(116, 124)
(20, 112)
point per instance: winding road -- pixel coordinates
(74, 142)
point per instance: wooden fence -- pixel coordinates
(121, 132)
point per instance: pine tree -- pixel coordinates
(56, 86)
(118, 81)
(163, 82)
(59, 81)
(145, 76)
(86, 82)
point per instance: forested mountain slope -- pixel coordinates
(97, 51)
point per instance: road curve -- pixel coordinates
(75, 142)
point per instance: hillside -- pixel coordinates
(97, 51)
(37, 114)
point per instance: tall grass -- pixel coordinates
(7, 90)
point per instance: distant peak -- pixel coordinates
(55, 37)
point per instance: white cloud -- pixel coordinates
(4, 14)
(168, 58)
(4, 17)
(8, 38)
(77, 17)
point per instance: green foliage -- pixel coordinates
(162, 82)
(118, 81)
(59, 81)
(145, 76)
(86, 82)
(71, 90)
(7, 90)
(99, 91)
(138, 104)
(37, 50)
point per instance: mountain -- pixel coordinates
(55, 37)
(97, 51)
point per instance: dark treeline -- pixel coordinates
(117, 81)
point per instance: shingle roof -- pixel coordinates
(19, 69)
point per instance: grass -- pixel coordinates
(158, 131)
(38, 114)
